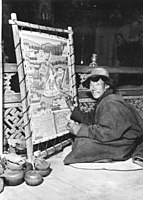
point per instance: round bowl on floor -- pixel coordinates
(1, 184)
(20, 150)
(13, 178)
(33, 178)
(41, 164)
(44, 173)
(14, 166)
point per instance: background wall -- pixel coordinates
(94, 23)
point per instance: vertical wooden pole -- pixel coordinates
(1, 85)
(72, 65)
(23, 89)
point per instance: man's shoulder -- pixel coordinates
(114, 98)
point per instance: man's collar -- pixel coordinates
(106, 93)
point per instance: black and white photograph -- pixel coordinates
(71, 102)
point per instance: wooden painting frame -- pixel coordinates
(44, 32)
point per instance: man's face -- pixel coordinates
(97, 88)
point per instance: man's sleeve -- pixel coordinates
(81, 117)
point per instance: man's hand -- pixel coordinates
(70, 103)
(73, 127)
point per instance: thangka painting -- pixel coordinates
(46, 66)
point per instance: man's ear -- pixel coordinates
(106, 87)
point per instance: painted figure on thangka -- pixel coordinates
(55, 86)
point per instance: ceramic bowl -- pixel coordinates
(41, 164)
(1, 184)
(44, 173)
(20, 150)
(13, 178)
(33, 178)
(14, 166)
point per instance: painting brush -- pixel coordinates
(65, 93)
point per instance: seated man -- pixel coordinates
(113, 131)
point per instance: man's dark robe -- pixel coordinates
(113, 131)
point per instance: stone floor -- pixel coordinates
(68, 183)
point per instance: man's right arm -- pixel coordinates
(81, 117)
